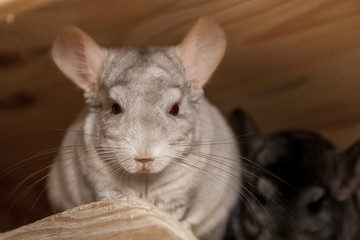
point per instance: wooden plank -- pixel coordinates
(122, 217)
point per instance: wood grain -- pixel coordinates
(10, 8)
(290, 64)
(122, 217)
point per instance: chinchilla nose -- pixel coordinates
(144, 159)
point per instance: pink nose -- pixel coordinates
(144, 160)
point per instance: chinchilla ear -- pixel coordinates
(202, 50)
(246, 131)
(312, 198)
(353, 156)
(347, 177)
(78, 57)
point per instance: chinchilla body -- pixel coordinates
(147, 131)
(299, 186)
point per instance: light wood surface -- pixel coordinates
(290, 64)
(10, 8)
(123, 217)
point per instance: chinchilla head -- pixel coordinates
(143, 104)
(299, 185)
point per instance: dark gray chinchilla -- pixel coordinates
(299, 186)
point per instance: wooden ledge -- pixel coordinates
(122, 217)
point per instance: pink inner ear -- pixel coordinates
(202, 50)
(78, 57)
(95, 58)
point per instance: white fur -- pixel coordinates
(194, 174)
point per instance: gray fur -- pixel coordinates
(299, 186)
(185, 178)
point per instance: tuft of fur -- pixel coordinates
(193, 175)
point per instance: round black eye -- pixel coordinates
(174, 110)
(116, 109)
(315, 207)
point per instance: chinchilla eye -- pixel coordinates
(174, 110)
(315, 206)
(116, 109)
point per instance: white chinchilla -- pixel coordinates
(148, 131)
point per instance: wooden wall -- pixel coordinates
(289, 63)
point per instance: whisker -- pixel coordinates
(242, 193)
(27, 191)
(209, 174)
(67, 162)
(294, 215)
(252, 163)
(38, 197)
(17, 165)
(58, 150)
